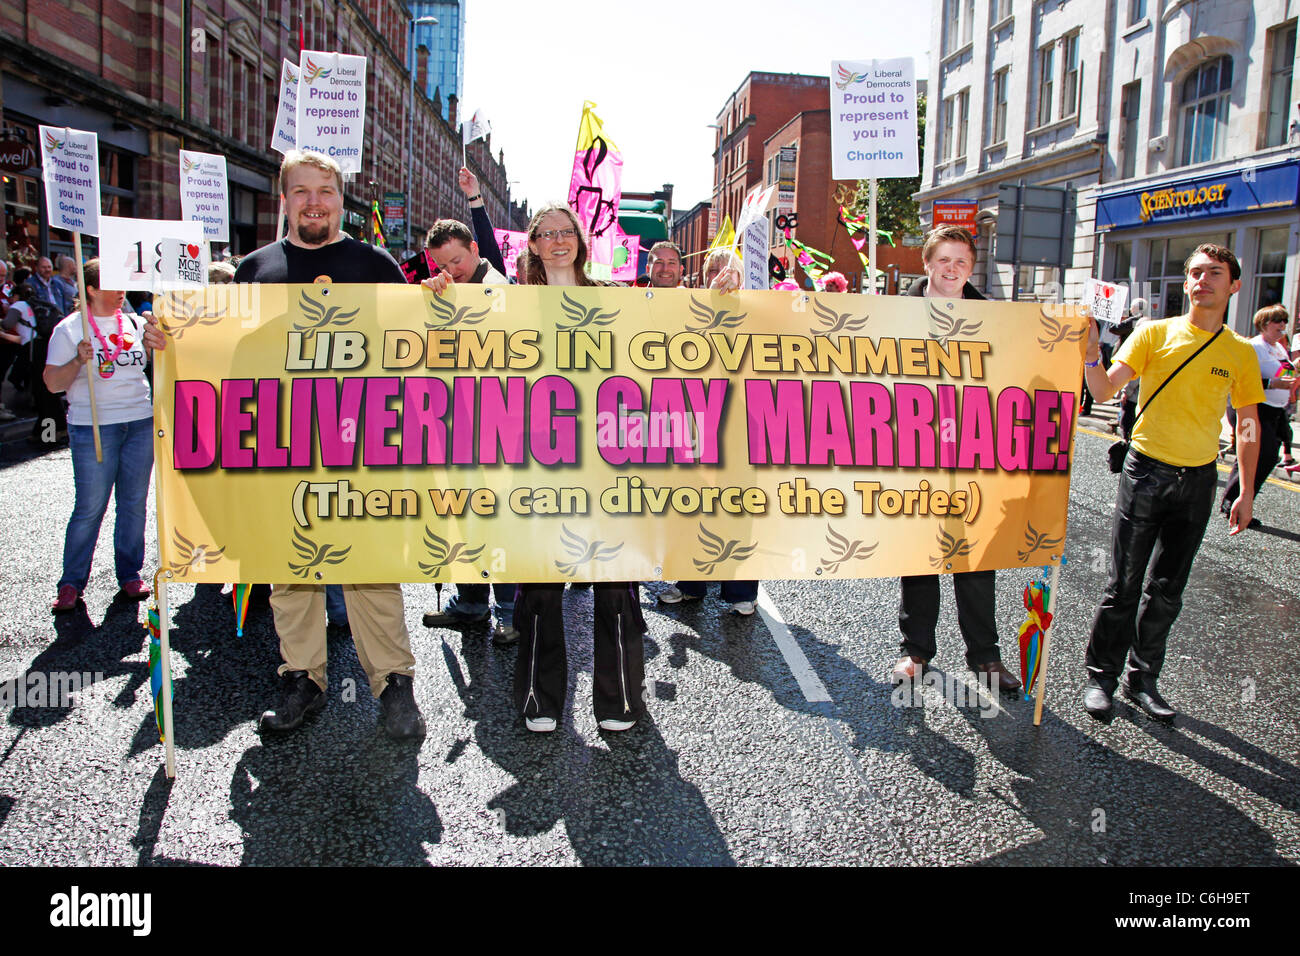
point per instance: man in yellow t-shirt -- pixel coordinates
(1168, 484)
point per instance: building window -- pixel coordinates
(963, 110)
(998, 132)
(1069, 75)
(951, 25)
(1282, 46)
(949, 108)
(1000, 9)
(1129, 102)
(1137, 10)
(1046, 69)
(1205, 111)
(1271, 264)
(968, 28)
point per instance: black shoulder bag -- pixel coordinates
(1119, 450)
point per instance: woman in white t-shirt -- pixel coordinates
(1278, 376)
(116, 355)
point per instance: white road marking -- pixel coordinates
(814, 691)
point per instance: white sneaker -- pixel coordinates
(743, 608)
(6, 415)
(541, 725)
(671, 595)
(611, 724)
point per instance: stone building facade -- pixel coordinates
(1123, 99)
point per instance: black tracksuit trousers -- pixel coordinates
(541, 670)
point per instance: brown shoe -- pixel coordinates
(1007, 682)
(907, 670)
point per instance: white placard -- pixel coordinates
(332, 106)
(70, 161)
(1106, 300)
(205, 197)
(285, 136)
(873, 119)
(146, 255)
(754, 254)
(754, 205)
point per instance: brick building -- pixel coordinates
(797, 160)
(151, 78)
(692, 234)
(761, 105)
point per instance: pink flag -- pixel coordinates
(511, 243)
(627, 249)
(595, 189)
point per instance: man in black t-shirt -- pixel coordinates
(316, 251)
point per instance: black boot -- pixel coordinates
(301, 697)
(1141, 689)
(1097, 700)
(402, 718)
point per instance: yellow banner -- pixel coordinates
(355, 433)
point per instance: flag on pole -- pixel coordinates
(478, 127)
(726, 236)
(595, 188)
(377, 225)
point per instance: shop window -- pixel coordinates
(1270, 266)
(1166, 271)
(1121, 261)
(1204, 104)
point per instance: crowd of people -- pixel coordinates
(1163, 506)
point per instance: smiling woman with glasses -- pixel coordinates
(557, 249)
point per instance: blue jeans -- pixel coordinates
(336, 609)
(732, 591)
(471, 600)
(124, 472)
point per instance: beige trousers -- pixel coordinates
(377, 618)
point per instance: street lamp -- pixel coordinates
(410, 123)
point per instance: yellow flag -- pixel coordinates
(726, 237)
(592, 127)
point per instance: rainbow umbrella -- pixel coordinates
(153, 625)
(1037, 597)
(240, 596)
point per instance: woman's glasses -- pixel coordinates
(550, 235)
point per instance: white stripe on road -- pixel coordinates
(814, 691)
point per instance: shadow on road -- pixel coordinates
(625, 805)
(343, 803)
(94, 653)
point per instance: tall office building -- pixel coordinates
(445, 46)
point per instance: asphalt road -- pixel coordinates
(768, 743)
